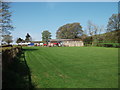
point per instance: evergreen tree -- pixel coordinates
(5, 18)
(113, 23)
(19, 40)
(28, 38)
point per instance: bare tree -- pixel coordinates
(90, 28)
(94, 32)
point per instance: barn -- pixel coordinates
(66, 42)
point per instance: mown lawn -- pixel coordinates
(73, 67)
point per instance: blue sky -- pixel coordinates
(35, 17)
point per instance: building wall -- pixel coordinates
(73, 43)
(50, 44)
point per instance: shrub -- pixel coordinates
(117, 45)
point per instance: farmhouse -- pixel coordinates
(66, 42)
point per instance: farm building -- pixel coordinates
(66, 42)
(24, 43)
(32, 43)
(37, 43)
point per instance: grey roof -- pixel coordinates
(65, 40)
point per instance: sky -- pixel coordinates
(35, 17)
(61, 0)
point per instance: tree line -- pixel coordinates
(92, 35)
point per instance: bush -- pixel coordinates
(117, 45)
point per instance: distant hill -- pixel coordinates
(109, 37)
(113, 37)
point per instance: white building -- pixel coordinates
(67, 42)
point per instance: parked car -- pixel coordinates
(44, 44)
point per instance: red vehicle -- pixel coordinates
(45, 44)
(56, 44)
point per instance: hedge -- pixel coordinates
(8, 54)
(117, 45)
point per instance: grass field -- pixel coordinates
(73, 67)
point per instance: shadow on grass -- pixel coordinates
(17, 74)
(30, 49)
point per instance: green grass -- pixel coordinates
(73, 67)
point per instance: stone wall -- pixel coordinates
(9, 54)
